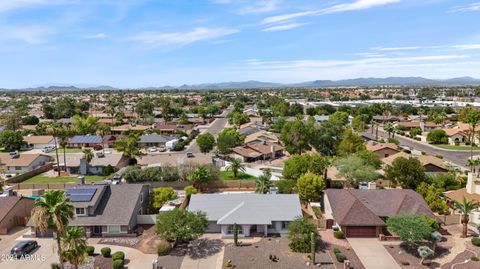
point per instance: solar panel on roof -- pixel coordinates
(81, 195)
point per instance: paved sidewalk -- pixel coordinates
(372, 253)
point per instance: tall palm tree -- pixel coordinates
(465, 208)
(52, 212)
(88, 155)
(74, 246)
(54, 130)
(129, 147)
(389, 129)
(102, 131)
(262, 183)
(472, 118)
(63, 143)
(236, 166)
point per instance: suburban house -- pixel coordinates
(254, 214)
(363, 213)
(154, 140)
(77, 165)
(456, 136)
(174, 158)
(383, 150)
(471, 192)
(107, 210)
(171, 128)
(39, 141)
(431, 164)
(14, 211)
(129, 127)
(22, 163)
(80, 141)
(257, 151)
(109, 140)
(262, 136)
(424, 126)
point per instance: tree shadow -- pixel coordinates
(202, 248)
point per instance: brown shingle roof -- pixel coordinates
(458, 195)
(38, 139)
(22, 160)
(365, 207)
(375, 146)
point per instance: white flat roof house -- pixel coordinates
(255, 214)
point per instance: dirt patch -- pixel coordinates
(102, 262)
(407, 256)
(146, 242)
(355, 262)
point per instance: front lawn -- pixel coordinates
(43, 179)
(453, 147)
(228, 175)
(67, 150)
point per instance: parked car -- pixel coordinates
(24, 247)
(190, 155)
(97, 147)
(152, 149)
(162, 149)
(48, 149)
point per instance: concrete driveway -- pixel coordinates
(372, 253)
(41, 258)
(205, 253)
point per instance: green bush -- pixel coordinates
(119, 255)
(163, 248)
(118, 264)
(475, 258)
(106, 252)
(340, 257)
(476, 241)
(90, 250)
(189, 190)
(338, 234)
(54, 265)
(336, 251)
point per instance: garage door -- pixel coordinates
(362, 231)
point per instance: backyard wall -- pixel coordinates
(27, 175)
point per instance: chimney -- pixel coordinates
(272, 151)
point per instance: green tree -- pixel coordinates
(74, 246)
(298, 165)
(86, 125)
(415, 131)
(370, 158)
(358, 124)
(205, 142)
(52, 212)
(179, 225)
(356, 170)
(262, 183)
(408, 172)
(227, 139)
(11, 140)
(200, 176)
(437, 137)
(326, 138)
(350, 143)
(432, 197)
(410, 228)
(465, 207)
(144, 107)
(339, 118)
(236, 166)
(286, 186)
(389, 128)
(295, 136)
(128, 147)
(162, 195)
(472, 118)
(310, 187)
(299, 233)
(278, 124)
(237, 119)
(88, 156)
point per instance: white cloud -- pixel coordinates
(30, 34)
(95, 36)
(261, 6)
(283, 27)
(466, 8)
(158, 39)
(6, 5)
(356, 5)
(467, 47)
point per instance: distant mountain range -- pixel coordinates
(251, 84)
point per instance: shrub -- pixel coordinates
(118, 264)
(54, 265)
(475, 258)
(119, 255)
(106, 252)
(336, 251)
(476, 241)
(163, 248)
(340, 257)
(189, 190)
(90, 250)
(338, 234)
(404, 263)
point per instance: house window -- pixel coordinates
(18, 168)
(80, 211)
(239, 227)
(114, 229)
(285, 224)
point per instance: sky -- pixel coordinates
(141, 43)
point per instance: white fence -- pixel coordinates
(146, 219)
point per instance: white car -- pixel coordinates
(48, 149)
(152, 149)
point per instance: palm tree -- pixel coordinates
(472, 118)
(389, 129)
(128, 146)
(53, 212)
(262, 183)
(63, 144)
(74, 246)
(102, 131)
(236, 166)
(88, 155)
(54, 128)
(465, 208)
